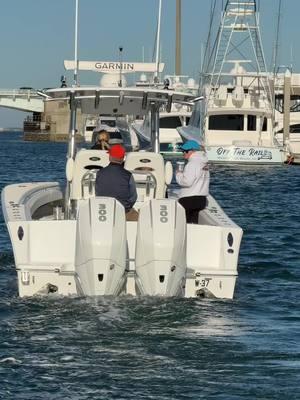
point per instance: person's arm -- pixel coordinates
(185, 178)
(132, 191)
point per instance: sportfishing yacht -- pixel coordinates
(235, 121)
(67, 241)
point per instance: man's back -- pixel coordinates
(115, 181)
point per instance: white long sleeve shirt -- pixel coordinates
(194, 180)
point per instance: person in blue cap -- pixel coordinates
(193, 180)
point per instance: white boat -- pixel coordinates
(292, 143)
(237, 119)
(93, 123)
(227, 138)
(287, 114)
(69, 242)
(88, 129)
(170, 140)
(169, 120)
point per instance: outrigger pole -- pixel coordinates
(73, 102)
(178, 38)
(157, 44)
(76, 44)
(72, 129)
(71, 152)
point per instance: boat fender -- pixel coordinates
(69, 169)
(168, 172)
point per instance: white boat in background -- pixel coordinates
(88, 129)
(169, 120)
(287, 113)
(170, 140)
(236, 118)
(118, 129)
(292, 144)
(69, 242)
(94, 124)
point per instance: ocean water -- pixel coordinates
(150, 348)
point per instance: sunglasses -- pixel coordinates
(185, 151)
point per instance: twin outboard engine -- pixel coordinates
(101, 246)
(160, 258)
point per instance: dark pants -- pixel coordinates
(192, 206)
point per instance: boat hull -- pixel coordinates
(46, 247)
(293, 147)
(245, 155)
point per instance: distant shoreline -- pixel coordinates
(10, 130)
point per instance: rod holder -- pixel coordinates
(154, 109)
(169, 103)
(97, 98)
(144, 101)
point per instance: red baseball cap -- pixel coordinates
(117, 151)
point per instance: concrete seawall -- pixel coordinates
(53, 124)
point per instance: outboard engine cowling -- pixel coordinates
(160, 258)
(101, 246)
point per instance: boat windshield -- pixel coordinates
(110, 123)
(170, 147)
(226, 122)
(171, 122)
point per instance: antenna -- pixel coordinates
(76, 44)
(121, 64)
(292, 57)
(205, 58)
(178, 38)
(157, 44)
(276, 44)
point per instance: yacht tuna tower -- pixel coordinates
(235, 121)
(237, 39)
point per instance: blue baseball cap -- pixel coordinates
(190, 145)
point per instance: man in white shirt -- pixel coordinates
(193, 180)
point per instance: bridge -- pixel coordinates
(26, 99)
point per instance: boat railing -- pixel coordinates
(88, 183)
(145, 180)
(146, 183)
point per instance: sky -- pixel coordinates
(36, 36)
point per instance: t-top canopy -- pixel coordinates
(119, 101)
